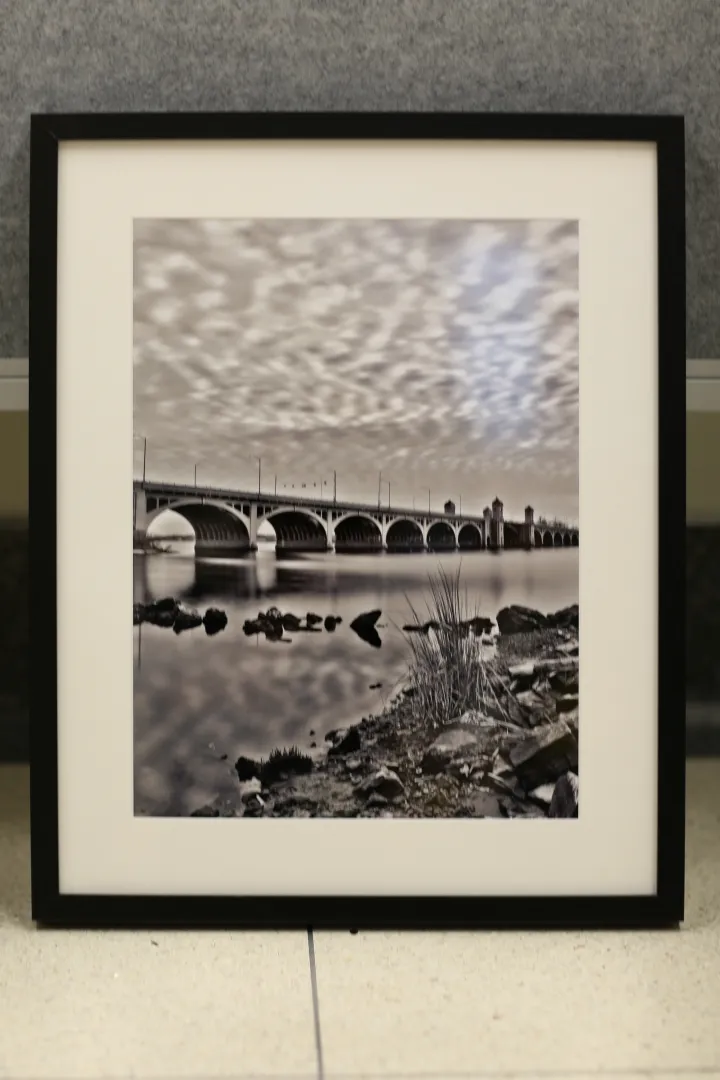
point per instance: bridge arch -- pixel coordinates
(441, 537)
(357, 531)
(575, 540)
(470, 536)
(218, 527)
(557, 540)
(566, 540)
(547, 540)
(512, 536)
(296, 529)
(404, 534)
(539, 538)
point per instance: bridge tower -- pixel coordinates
(487, 530)
(497, 525)
(529, 529)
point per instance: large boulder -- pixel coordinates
(545, 755)
(383, 782)
(566, 797)
(448, 747)
(566, 619)
(517, 619)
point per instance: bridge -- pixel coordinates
(226, 522)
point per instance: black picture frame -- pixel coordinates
(662, 909)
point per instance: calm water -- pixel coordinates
(198, 698)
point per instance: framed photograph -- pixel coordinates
(377, 423)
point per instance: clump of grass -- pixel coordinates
(284, 762)
(449, 671)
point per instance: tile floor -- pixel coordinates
(446, 1006)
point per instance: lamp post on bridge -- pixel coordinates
(259, 461)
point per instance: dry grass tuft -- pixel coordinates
(449, 669)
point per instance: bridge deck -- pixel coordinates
(157, 488)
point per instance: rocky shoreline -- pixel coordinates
(516, 755)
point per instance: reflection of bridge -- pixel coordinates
(226, 521)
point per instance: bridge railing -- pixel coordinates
(153, 486)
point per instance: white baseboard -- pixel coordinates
(703, 385)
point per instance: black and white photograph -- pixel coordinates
(356, 518)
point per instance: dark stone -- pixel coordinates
(545, 755)
(520, 620)
(364, 627)
(166, 604)
(331, 622)
(566, 797)
(566, 703)
(563, 682)
(377, 802)
(290, 621)
(348, 743)
(312, 619)
(186, 619)
(215, 620)
(566, 619)
(246, 768)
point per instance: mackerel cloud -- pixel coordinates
(444, 353)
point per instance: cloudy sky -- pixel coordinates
(443, 353)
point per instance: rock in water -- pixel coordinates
(383, 782)
(566, 797)
(545, 755)
(312, 619)
(186, 619)
(331, 621)
(448, 747)
(520, 620)
(290, 621)
(364, 627)
(166, 604)
(215, 620)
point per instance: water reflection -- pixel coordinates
(198, 698)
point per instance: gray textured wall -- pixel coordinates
(565, 55)
(577, 55)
